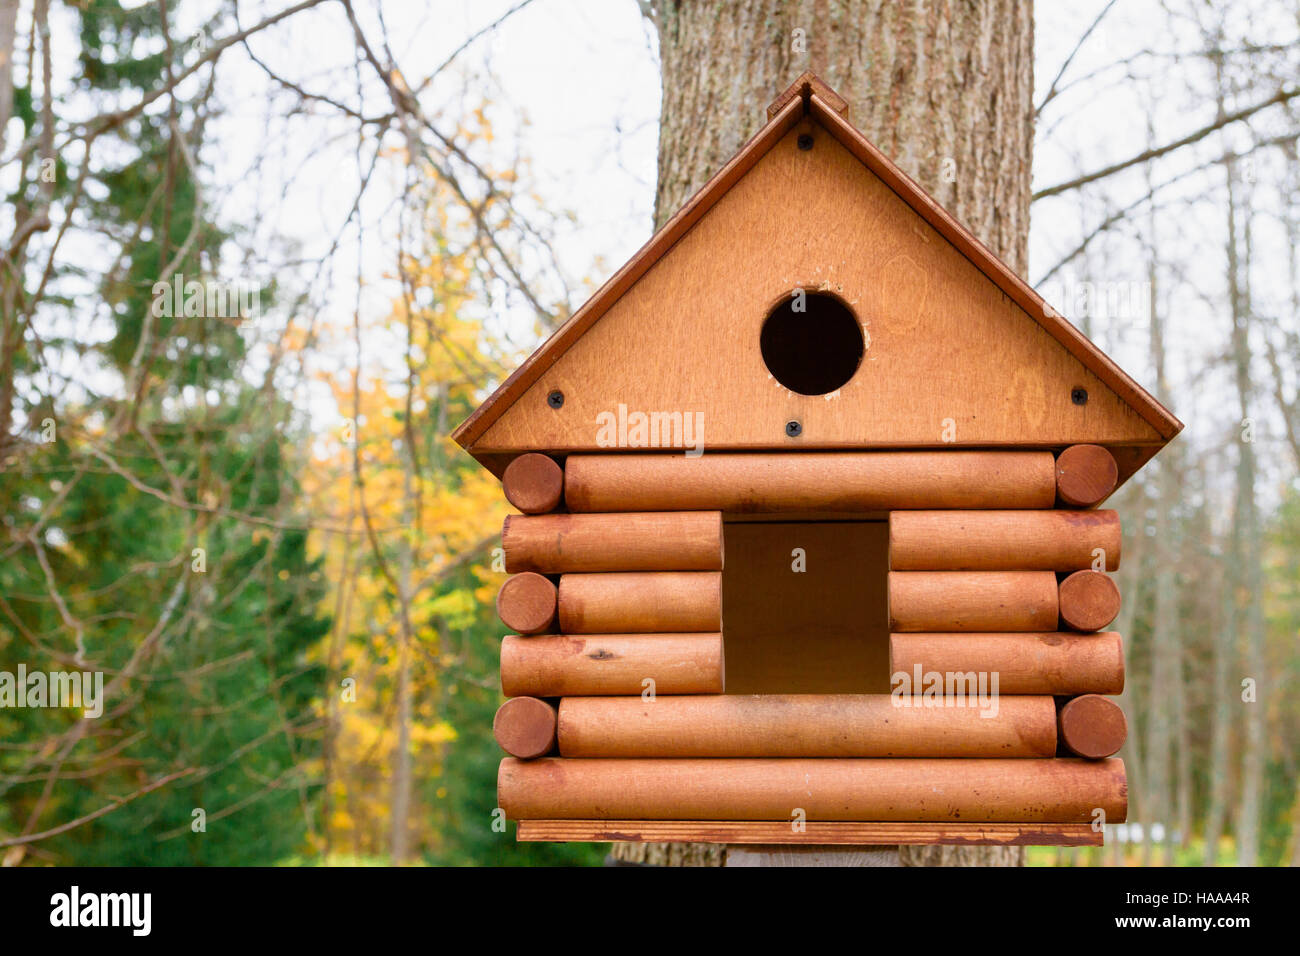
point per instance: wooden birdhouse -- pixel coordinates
(809, 550)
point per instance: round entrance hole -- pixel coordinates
(813, 351)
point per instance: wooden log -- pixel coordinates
(534, 483)
(1002, 540)
(527, 603)
(1047, 663)
(1092, 727)
(972, 601)
(821, 833)
(1085, 475)
(803, 725)
(611, 664)
(1089, 600)
(811, 481)
(1052, 790)
(524, 727)
(646, 541)
(640, 602)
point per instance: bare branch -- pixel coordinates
(1281, 96)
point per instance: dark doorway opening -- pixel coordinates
(822, 629)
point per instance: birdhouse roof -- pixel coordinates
(958, 350)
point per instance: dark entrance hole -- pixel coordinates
(813, 351)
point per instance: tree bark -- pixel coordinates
(1135, 568)
(1166, 682)
(1247, 518)
(8, 35)
(945, 90)
(1222, 693)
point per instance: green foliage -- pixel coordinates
(464, 797)
(210, 649)
(229, 691)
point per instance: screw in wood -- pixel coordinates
(1079, 396)
(793, 429)
(555, 399)
(805, 141)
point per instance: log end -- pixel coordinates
(534, 483)
(1089, 600)
(524, 727)
(1085, 475)
(527, 603)
(1092, 727)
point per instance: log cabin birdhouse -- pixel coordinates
(809, 549)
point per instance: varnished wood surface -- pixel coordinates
(895, 257)
(838, 834)
(901, 790)
(949, 356)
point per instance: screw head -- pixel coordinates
(1079, 396)
(793, 429)
(555, 399)
(805, 141)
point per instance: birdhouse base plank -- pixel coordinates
(824, 833)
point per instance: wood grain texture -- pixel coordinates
(524, 727)
(527, 603)
(611, 664)
(534, 483)
(852, 482)
(814, 833)
(1002, 540)
(1089, 600)
(802, 725)
(928, 371)
(1058, 663)
(1053, 790)
(972, 601)
(648, 541)
(640, 602)
(1091, 726)
(1085, 475)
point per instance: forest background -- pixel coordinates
(258, 261)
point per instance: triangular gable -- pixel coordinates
(944, 317)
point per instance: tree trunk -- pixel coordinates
(943, 89)
(1166, 685)
(1134, 569)
(1247, 517)
(408, 560)
(1222, 690)
(8, 34)
(1222, 693)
